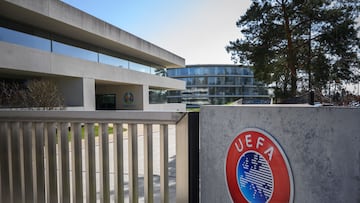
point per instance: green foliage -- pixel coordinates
(296, 42)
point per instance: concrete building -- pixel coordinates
(217, 84)
(95, 64)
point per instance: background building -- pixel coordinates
(94, 64)
(217, 84)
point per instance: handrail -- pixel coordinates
(144, 117)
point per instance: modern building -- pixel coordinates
(217, 84)
(94, 64)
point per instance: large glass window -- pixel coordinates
(157, 96)
(220, 71)
(105, 102)
(211, 71)
(113, 61)
(139, 67)
(72, 51)
(229, 80)
(200, 81)
(220, 81)
(28, 40)
(15, 37)
(189, 81)
(211, 80)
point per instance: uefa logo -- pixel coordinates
(128, 98)
(257, 169)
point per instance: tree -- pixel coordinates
(160, 71)
(294, 42)
(43, 94)
(36, 93)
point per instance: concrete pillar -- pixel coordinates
(145, 97)
(89, 94)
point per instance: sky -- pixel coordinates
(197, 30)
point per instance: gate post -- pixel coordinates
(187, 158)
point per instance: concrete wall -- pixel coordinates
(322, 145)
(72, 90)
(120, 91)
(15, 57)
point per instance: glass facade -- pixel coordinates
(217, 84)
(55, 46)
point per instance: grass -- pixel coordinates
(96, 131)
(193, 109)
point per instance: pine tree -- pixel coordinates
(294, 42)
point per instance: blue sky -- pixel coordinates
(197, 30)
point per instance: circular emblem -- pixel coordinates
(128, 98)
(257, 170)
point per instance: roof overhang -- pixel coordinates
(65, 20)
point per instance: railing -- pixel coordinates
(42, 152)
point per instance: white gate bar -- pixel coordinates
(50, 167)
(39, 172)
(63, 155)
(90, 163)
(76, 162)
(164, 164)
(27, 144)
(118, 162)
(133, 163)
(148, 164)
(104, 163)
(4, 167)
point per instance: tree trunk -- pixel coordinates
(290, 51)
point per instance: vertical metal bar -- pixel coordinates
(133, 163)
(50, 169)
(164, 163)
(10, 158)
(104, 163)
(187, 158)
(193, 156)
(63, 151)
(182, 160)
(4, 162)
(90, 163)
(22, 173)
(39, 172)
(28, 168)
(16, 165)
(76, 165)
(148, 164)
(118, 162)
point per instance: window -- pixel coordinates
(105, 102)
(20, 38)
(77, 52)
(113, 61)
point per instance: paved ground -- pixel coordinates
(156, 164)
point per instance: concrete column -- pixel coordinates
(145, 97)
(89, 94)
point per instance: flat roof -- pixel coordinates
(62, 19)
